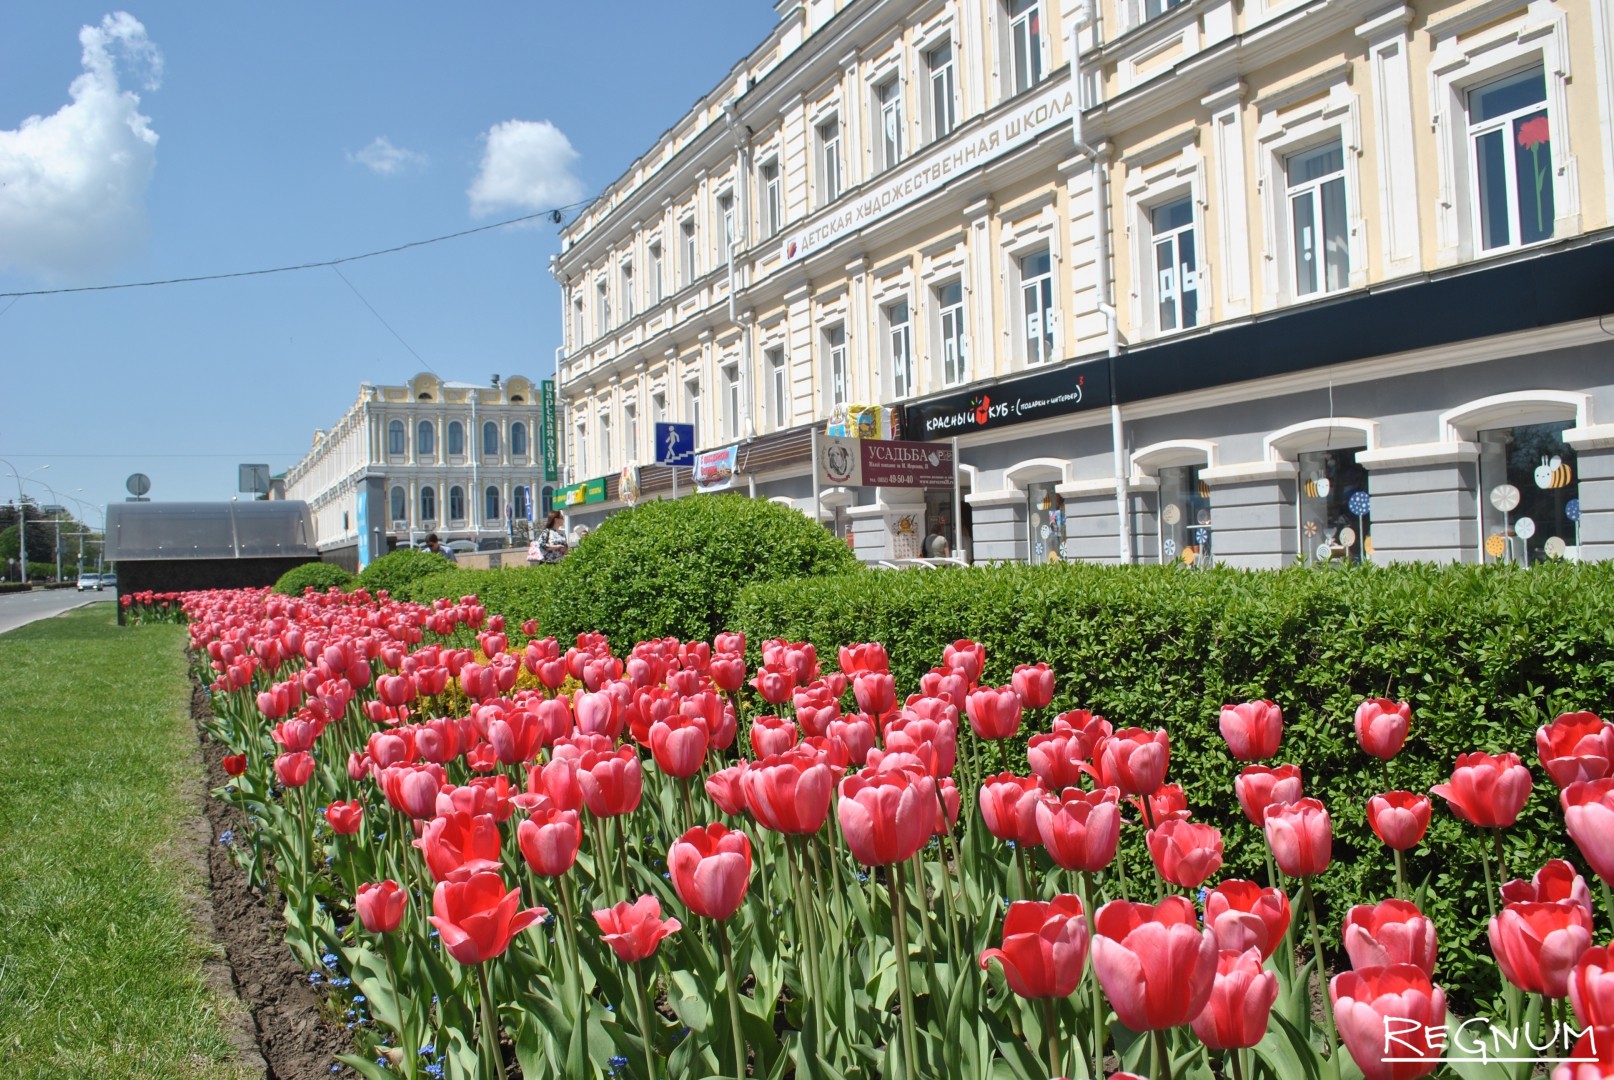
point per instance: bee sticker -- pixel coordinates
(1553, 473)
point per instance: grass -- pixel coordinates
(100, 962)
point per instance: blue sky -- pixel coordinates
(172, 139)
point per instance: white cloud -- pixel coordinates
(527, 165)
(383, 158)
(72, 184)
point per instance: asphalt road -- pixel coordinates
(19, 609)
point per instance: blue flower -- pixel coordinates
(329, 959)
(428, 1050)
(434, 1070)
(358, 999)
(314, 977)
(227, 837)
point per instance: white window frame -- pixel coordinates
(1475, 131)
(772, 201)
(579, 330)
(731, 400)
(1047, 341)
(428, 503)
(658, 407)
(1184, 318)
(397, 447)
(1026, 35)
(952, 334)
(898, 319)
(602, 304)
(626, 275)
(726, 233)
(837, 368)
(630, 432)
(456, 490)
(941, 84)
(398, 499)
(688, 236)
(653, 251)
(580, 444)
(692, 406)
(889, 137)
(1310, 192)
(830, 170)
(603, 436)
(778, 387)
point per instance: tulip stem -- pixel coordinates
(1490, 884)
(406, 1031)
(1400, 877)
(574, 976)
(1019, 861)
(1092, 976)
(899, 930)
(922, 913)
(642, 1002)
(1608, 900)
(490, 1022)
(1501, 856)
(737, 1033)
(1162, 1055)
(1051, 1021)
(1236, 1059)
(1322, 979)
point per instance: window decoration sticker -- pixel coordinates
(1505, 497)
(1200, 536)
(1168, 550)
(1347, 536)
(1189, 554)
(1203, 517)
(1552, 473)
(1171, 514)
(1358, 503)
(1555, 547)
(1309, 530)
(1495, 545)
(1524, 528)
(1572, 510)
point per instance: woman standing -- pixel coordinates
(552, 540)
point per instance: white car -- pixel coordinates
(89, 581)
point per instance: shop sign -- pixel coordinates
(547, 428)
(884, 463)
(1072, 389)
(589, 491)
(714, 469)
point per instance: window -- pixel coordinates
(686, 230)
(778, 388)
(627, 292)
(658, 407)
(1316, 179)
(1155, 8)
(456, 439)
(1543, 469)
(1334, 518)
(604, 431)
(490, 439)
(1037, 306)
(899, 349)
(731, 401)
(425, 439)
(579, 335)
(521, 502)
(1176, 277)
(1045, 520)
(580, 444)
(400, 504)
(773, 217)
(954, 344)
(456, 503)
(943, 99)
(654, 253)
(344, 521)
(395, 438)
(839, 381)
(630, 432)
(692, 406)
(829, 161)
(725, 214)
(602, 306)
(518, 439)
(888, 104)
(428, 504)
(1512, 179)
(490, 504)
(1025, 44)
(1184, 517)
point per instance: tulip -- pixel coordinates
(1576, 746)
(295, 734)
(886, 816)
(1556, 880)
(460, 840)
(1591, 987)
(1399, 818)
(345, 818)
(1381, 726)
(994, 713)
(772, 735)
(875, 692)
(1080, 828)
(1301, 837)
(1169, 803)
(926, 722)
(1258, 787)
(1253, 729)
(294, 769)
(725, 789)
(856, 734)
(549, 839)
(1034, 684)
(1591, 1058)
(729, 641)
(728, 673)
(711, 869)
(1044, 947)
(381, 907)
(1390, 1012)
(1589, 819)
(1087, 729)
(1240, 1004)
(789, 793)
(1155, 963)
(856, 659)
(1538, 944)
(1185, 853)
(635, 931)
(1009, 807)
(1390, 932)
(234, 764)
(774, 685)
(612, 781)
(476, 918)
(679, 745)
(947, 684)
(1135, 760)
(1056, 759)
(1485, 790)
(1243, 916)
(966, 657)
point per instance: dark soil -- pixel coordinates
(292, 1026)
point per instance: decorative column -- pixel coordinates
(1253, 513)
(1424, 502)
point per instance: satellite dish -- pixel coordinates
(1505, 497)
(138, 484)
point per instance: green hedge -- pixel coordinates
(397, 569)
(1484, 655)
(516, 592)
(319, 576)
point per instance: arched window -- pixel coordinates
(490, 503)
(518, 501)
(456, 503)
(456, 439)
(395, 438)
(490, 439)
(426, 439)
(428, 504)
(518, 439)
(400, 504)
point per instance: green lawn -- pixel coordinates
(100, 964)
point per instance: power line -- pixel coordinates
(554, 215)
(338, 272)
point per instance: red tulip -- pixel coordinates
(1390, 1012)
(1086, 728)
(729, 641)
(1252, 729)
(1240, 1003)
(815, 708)
(1134, 760)
(1034, 683)
(728, 673)
(1155, 963)
(612, 781)
(460, 840)
(947, 684)
(381, 907)
(345, 818)
(875, 691)
(679, 744)
(856, 734)
(1382, 725)
(1390, 932)
(1044, 947)
(549, 839)
(789, 793)
(1056, 759)
(234, 764)
(774, 685)
(1592, 1056)
(994, 713)
(1243, 915)
(476, 918)
(515, 735)
(1169, 803)
(635, 931)
(1301, 837)
(855, 659)
(1185, 853)
(1556, 880)
(1399, 818)
(294, 769)
(886, 816)
(395, 690)
(1009, 807)
(1589, 819)
(910, 731)
(772, 735)
(725, 789)
(966, 657)
(1576, 746)
(1591, 987)
(1538, 944)
(1080, 828)
(1487, 791)
(1258, 787)
(711, 869)
(412, 789)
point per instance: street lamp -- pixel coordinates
(22, 514)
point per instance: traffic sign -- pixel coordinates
(138, 484)
(675, 444)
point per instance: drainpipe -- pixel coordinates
(742, 222)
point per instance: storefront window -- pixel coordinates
(1335, 518)
(1045, 523)
(1185, 517)
(1529, 494)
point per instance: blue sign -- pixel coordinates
(363, 514)
(675, 444)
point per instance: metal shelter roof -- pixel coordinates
(277, 528)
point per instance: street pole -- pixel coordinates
(22, 516)
(57, 521)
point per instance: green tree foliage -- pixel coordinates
(316, 575)
(396, 570)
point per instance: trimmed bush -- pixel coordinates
(1483, 654)
(517, 593)
(319, 576)
(397, 569)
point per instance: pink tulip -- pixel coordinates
(1134, 760)
(1537, 945)
(1252, 729)
(1390, 1012)
(1486, 790)
(1301, 837)
(994, 713)
(1589, 819)
(1080, 828)
(1034, 683)
(1155, 963)
(1258, 787)
(1556, 880)
(1390, 932)
(1591, 987)
(1240, 1003)
(1399, 818)
(1576, 746)
(1382, 726)
(1185, 853)
(1243, 915)
(1009, 808)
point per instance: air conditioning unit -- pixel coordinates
(399, 526)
